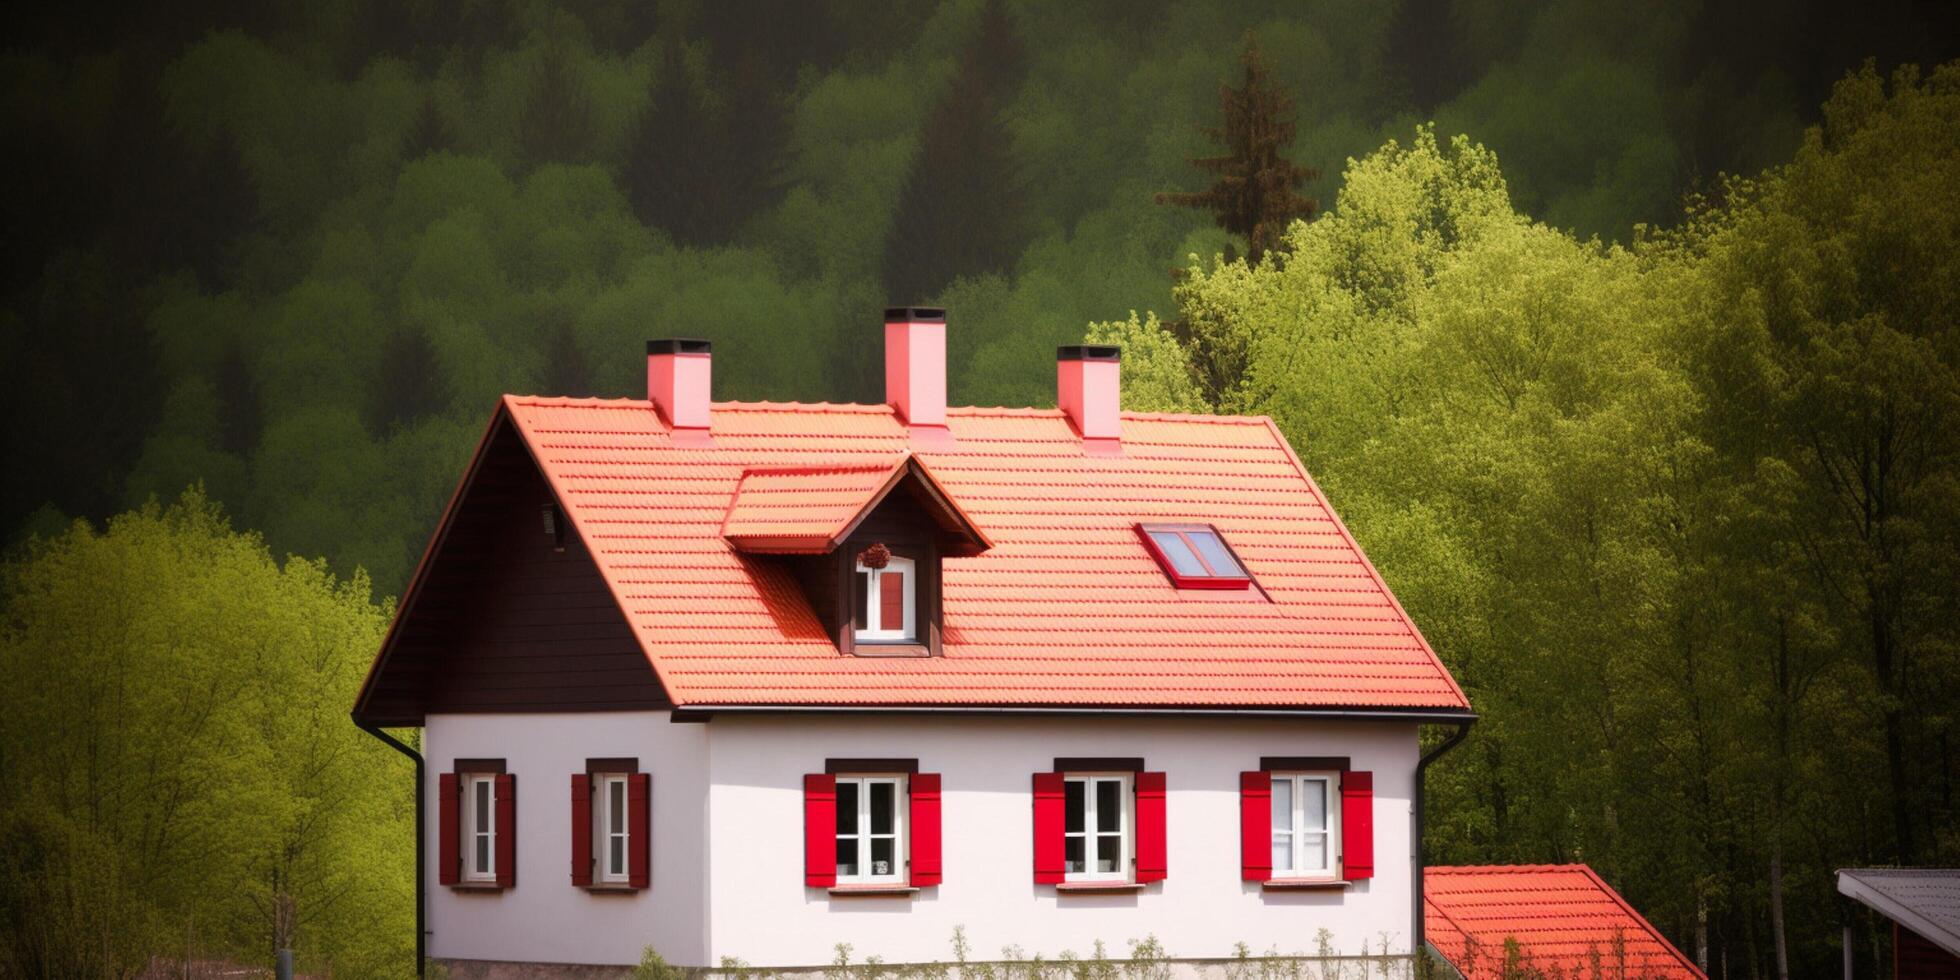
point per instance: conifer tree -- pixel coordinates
(959, 211)
(556, 123)
(410, 384)
(699, 172)
(1253, 194)
(428, 134)
(243, 417)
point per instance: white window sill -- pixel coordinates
(894, 888)
(1113, 885)
(1303, 884)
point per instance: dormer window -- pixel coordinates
(888, 603)
(864, 541)
(1194, 556)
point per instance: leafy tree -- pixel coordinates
(178, 756)
(1253, 195)
(1666, 511)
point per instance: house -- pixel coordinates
(1923, 905)
(1549, 919)
(752, 679)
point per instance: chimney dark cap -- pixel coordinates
(1088, 352)
(678, 345)
(914, 314)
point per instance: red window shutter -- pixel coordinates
(1048, 839)
(891, 599)
(1152, 840)
(581, 829)
(639, 829)
(506, 830)
(1357, 825)
(819, 830)
(449, 816)
(1255, 826)
(924, 819)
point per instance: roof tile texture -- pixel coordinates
(1560, 915)
(1067, 609)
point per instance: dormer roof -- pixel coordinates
(810, 510)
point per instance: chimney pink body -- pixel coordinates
(677, 381)
(915, 364)
(1088, 389)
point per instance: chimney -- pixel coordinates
(1087, 389)
(677, 382)
(915, 364)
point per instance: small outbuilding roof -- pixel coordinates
(1924, 900)
(1559, 915)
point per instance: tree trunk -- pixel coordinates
(1701, 933)
(1776, 909)
(1895, 745)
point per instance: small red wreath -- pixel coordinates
(876, 556)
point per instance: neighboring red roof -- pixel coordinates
(1559, 914)
(1065, 609)
(809, 509)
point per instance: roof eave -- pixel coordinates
(1387, 713)
(1850, 885)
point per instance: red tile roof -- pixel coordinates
(1065, 609)
(1559, 914)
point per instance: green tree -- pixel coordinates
(179, 768)
(1253, 193)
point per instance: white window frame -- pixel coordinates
(875, 631)
(1330, 783)
(901, 847)
(486, 814)
(1090, 833)
(605, 831)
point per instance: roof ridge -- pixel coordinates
(811, 469)
(864, 408)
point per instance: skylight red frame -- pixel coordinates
(1239, 582)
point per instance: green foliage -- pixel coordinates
(180, 775)
(1679, 516)
(653, 966)
(234, 227)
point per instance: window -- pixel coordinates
(480, 827)
(870, 830)
(1096, 828)
(613, 828)
(1194, 556)
(1303, 825)
(888, 606)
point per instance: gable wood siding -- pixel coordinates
(505, 622)
(1916, 958)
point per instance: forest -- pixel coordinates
(1625, 336)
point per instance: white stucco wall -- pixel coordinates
(761, 912)
(544, 918)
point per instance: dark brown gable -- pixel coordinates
(903, 525)
(507, 617)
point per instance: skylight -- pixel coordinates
(1194, 556)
